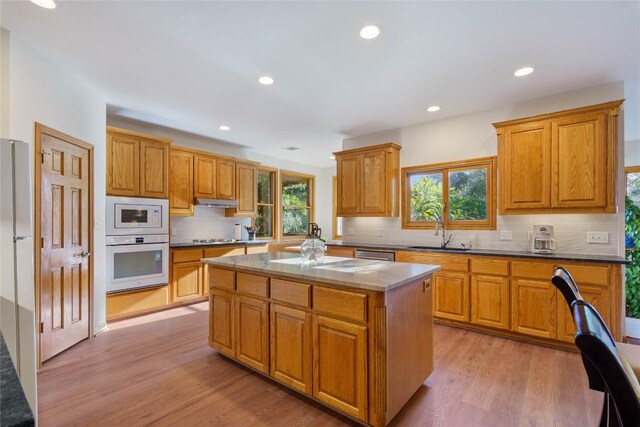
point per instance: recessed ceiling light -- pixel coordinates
(370, 32)
(524, 71)
(332, 157)
(433, 108)
(47, 4)
(290, 148)
(266, 80)
(224, 127)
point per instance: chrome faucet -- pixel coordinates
(445, 239)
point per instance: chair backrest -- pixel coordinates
(598, 348)
(563, 280)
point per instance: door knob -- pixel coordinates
(82, 254)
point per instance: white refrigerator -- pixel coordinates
(17, 295)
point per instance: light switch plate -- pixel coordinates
(600, 237)
(506, 235)
(379, 232)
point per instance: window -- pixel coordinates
(337, 220)
(297, 203)
(265, 218)
(633, 183)
(460, 194)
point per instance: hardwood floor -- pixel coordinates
(159, 370)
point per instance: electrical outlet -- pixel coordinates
(529, 236)
(174, 231)
(506, 235)
(597, 237)
(379, 232)
(351, 231)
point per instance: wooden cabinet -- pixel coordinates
(597, 296)
(181, 183)
(204, 179)
(451, 295)
(186, 280)
(340, 365)
(338, 251)
(222, 320)
(246, 191)
(368, 181)
(563, 162)
(533, 307)
(252, 340)
(490, 301)
(137, 164)
(225, 179)
(291, 347)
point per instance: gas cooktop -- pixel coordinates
(212, 241)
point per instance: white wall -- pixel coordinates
(471, 136)
(42, 91)
(632, 122)
(187, 227)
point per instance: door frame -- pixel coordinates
(40, 131)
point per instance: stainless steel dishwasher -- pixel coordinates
(377, 255)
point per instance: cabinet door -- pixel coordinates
(349, 185)
(533, 308)
(123, 165)
(594, 295)
(222, 321)
(291, 347)
(154, 168)
(246, 187)
(490, 301)
(451, 296)
(579, 161)
(181, 183)
(252, 341)
(204, 177)
(186, 280)
(374, 198)
(525, 175)
(225, 179)
(340, 365)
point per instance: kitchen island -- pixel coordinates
(355, 335)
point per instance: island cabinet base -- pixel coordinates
(363, 353)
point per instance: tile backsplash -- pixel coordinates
(206, 223)
(570, 233)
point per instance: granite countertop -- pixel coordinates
(204, 245)
(610, 259)
(14, 408)
(378, 276)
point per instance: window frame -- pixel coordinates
(490, 163)
(274, 197)
(334, 198)
(311, 207)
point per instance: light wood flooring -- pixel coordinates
(159, 370)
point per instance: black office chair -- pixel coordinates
(563, 280)
(601, 358)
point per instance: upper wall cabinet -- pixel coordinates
(246, 191)
(181, 183)
(137, 164)
(368, 181)
(562, 162)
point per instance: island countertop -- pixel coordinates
(380, 276)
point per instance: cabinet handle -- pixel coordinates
(426, 285)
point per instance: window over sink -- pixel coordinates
(459, 194)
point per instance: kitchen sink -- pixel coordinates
(440, 248)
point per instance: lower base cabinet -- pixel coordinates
(533, 308)
(451, 295)
(222, 322)
(252, 346)
(186, 280)
(291, 347)
(340, 365)
(594, 295)
(490, 301)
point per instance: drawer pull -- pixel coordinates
(426, 285)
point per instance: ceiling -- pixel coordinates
(194, 66)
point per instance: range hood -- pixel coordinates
(216, 203)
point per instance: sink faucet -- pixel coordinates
(445, 239)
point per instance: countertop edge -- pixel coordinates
(180, 245)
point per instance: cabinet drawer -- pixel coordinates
(593, 274)
(532, 270)
(340, 303)
(447, 262)
(222, 279)
(251, 284)
(290, 292)
(498, 267)
(184, 255)
(224, 251)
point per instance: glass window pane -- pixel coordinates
(633, 187)
(295, 191)
(264, 221)
(295, 221)
(468, 195)
(426, 196)
(264, 187)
